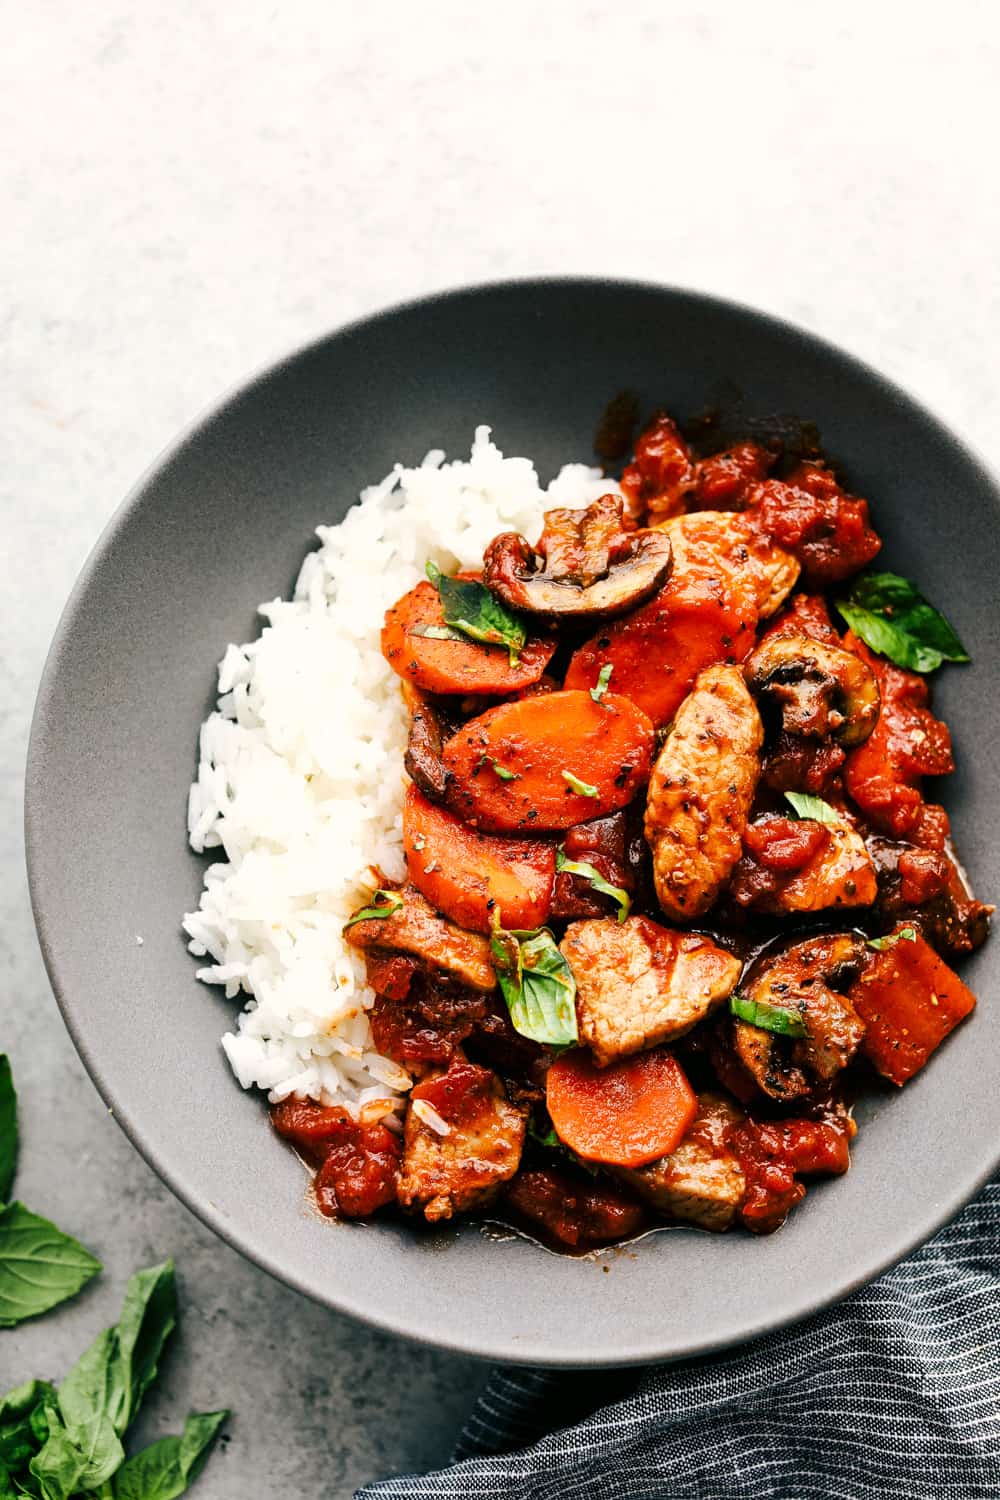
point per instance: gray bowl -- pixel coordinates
(223, 521)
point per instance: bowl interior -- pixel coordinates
(222, 522)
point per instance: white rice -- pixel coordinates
(300, 776)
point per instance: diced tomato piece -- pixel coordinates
(910, 1000)
(809, 515)
(571, 1211)
(662, 472)
(723, 480)
(359, 1175)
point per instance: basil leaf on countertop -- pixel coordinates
(471, 608)
(813, 808)
(166, 1468)
(537, 984)
(18, 1438)
(892, 616)
(8, 1128)
(597, 881)
(148, 1318)
(39, 1265)
(776, 1018)
(59, 1467)
(86, 1399)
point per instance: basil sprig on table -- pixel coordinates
(597, 881)
(813, 809)
(892, 616)
(537, 984)
(40, 1266)
(780, 1019)
(66, 1442)
(469, 606)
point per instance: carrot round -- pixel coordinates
(631, 1113)
(656, 652)
(548, 761)
(454, 666)
(468, 875)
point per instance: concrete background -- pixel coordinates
(188, 190)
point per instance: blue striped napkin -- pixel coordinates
(894, 1394)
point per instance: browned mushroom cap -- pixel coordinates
(413, 926)
(820, 689)
(804, 978)
(585, 564)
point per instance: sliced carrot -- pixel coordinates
(910, 1000)
(468, 875)
(633, 1112)
(454, 666)
(548, 761)
(656, 652)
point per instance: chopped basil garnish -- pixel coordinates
(892, 938)
(473, 610)
(384, 903)
(894, 619)
(537, 984)
(777, 1018)
(502, 771)
(813, 808)
(597, 881)
(583, 787)
(603, 678)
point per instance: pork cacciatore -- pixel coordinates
(675, 889)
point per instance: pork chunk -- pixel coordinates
(701, 1182)
(735, 545)
(414, 927)
(462, 1142)
(701, 790)
(639, 984)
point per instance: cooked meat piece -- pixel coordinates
(803, 866)
(639, 984)
(700, 792)
(585, 564)
(416, 928)
(741, 553)
(463, 1141)
(702, 1182)
(821, 691)
(571, 1210)
(662, 474)
(803, 979)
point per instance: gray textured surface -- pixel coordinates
(189, 190)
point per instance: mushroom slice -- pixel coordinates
(413, 926)
(430, 725)
(821, 690)
(585, 564)
(805, 979)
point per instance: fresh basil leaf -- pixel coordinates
(7, 1490)
(8, 1128)
(603, 678)
(537, 984)
(471, 608)
(148, 1318)
(18, 1439)
(584, 788)
(165, 1469)
(892, 938)
(597, 881)
(39, 1265)
(892, 617)
(813, 808)
(777, 1018)
(86, 1398)
(60, 1468)
(386, 903)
